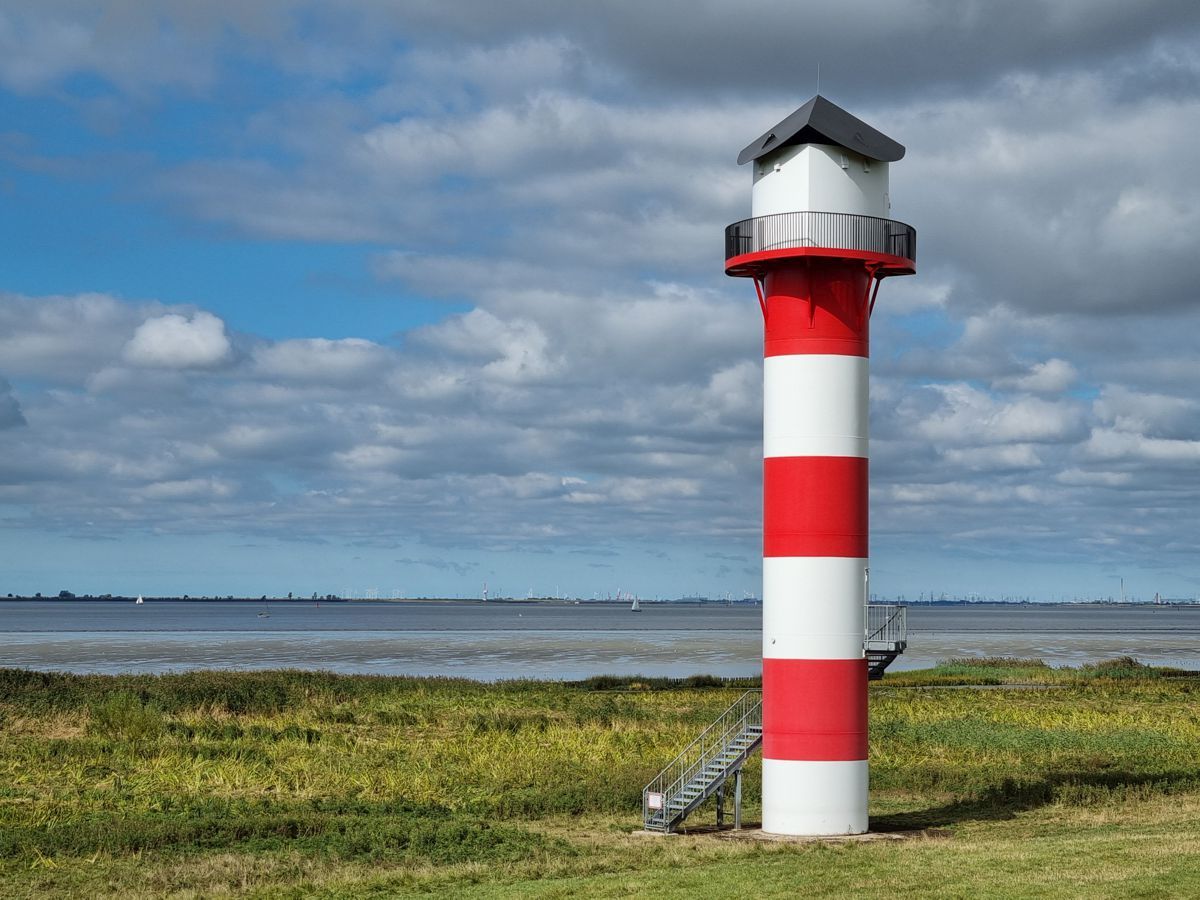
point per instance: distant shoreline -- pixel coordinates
(552, 601)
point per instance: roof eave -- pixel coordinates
(831, 122)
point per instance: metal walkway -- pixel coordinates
(716, 757)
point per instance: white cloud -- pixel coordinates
(511, 351)
(370, 457)
(1148, 413)
(33, 52)
(587, 414)
(968, 415)
(1093, 478)
(1109, 444)
(188, 489)
(1054, 190)
(1050, 377)
(61, 337)
(10, 408)
(1009, 456)
(175, 341)
(321, 360)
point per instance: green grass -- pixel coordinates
(1008, 778)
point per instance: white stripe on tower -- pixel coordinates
(799, 619)
(815, 405)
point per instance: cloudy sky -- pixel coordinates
(409, 296)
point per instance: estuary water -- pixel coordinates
(546, 641)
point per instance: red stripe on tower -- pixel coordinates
(815, 506)
(812, 709)
(817, 307)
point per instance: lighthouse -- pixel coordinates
(818, 245)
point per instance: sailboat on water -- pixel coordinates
(139, 601)
(265, 612)
(637, 605)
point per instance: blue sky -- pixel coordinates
(406, 297)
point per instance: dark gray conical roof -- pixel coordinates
(821, 122)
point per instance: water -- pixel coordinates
(500, 641)
(1061, 635)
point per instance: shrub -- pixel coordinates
(995, 662)
(1118, 663)
(125, 717)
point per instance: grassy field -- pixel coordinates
(998, 779)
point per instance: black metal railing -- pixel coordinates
(835, 231)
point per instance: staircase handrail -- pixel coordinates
(745, 712)
(893, 629)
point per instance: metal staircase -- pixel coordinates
(704, 767)
(709, 762)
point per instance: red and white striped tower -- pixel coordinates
(818, 245)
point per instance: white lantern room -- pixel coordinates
(821, 159)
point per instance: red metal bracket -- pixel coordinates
(874, 296)
(812, 303)
(868, 301)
